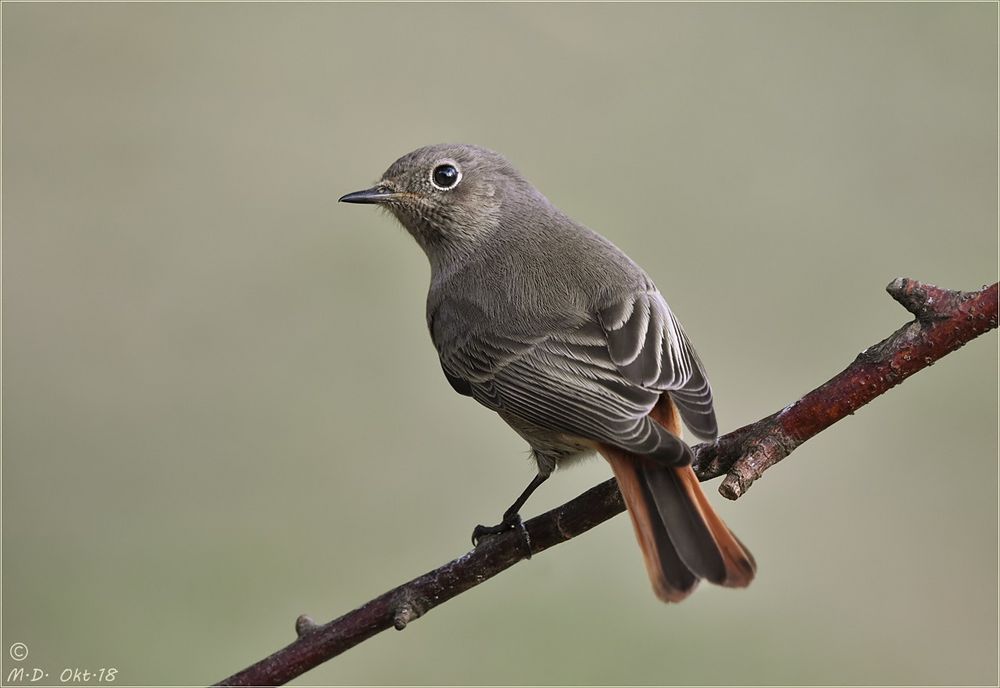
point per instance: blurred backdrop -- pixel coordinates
(222, 409)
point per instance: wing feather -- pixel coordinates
(598, 378)
(666, 360)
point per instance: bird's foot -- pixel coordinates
(511, 521)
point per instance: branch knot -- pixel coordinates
(304, 625)
(408, 607)
(925, 301)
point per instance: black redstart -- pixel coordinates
(550, 325)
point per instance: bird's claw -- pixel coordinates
(509, 522)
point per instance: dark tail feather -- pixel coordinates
(672, 579)
(685, 524)
(740, 566)
(703, 541)
(682, 538)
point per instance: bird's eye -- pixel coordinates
(445, 176)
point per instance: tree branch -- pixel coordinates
(945, 320)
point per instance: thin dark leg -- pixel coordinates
(511, 519)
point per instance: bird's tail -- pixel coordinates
(682, 538)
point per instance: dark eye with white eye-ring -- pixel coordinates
(445, 176)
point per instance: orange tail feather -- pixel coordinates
(681, 537)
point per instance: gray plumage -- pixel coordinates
(539, 318)
(551, 326)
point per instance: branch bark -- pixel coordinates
(945, 320)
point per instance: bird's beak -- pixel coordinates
(376, 194)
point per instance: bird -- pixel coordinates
(551, 326)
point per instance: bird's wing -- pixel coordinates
(597, 379)
(564, 382)
(650, 348)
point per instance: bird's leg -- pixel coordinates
(511, 518)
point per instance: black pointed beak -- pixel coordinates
(376, 194)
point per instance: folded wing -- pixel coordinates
(597, 379)
(649, 347)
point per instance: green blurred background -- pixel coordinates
(222, 409)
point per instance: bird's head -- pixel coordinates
(448, 196)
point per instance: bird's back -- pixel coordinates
(533, 276)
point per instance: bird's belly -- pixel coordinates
(550, 449)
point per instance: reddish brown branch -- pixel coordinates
(410, 601)
(945, 320)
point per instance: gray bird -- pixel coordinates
(550, 325)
